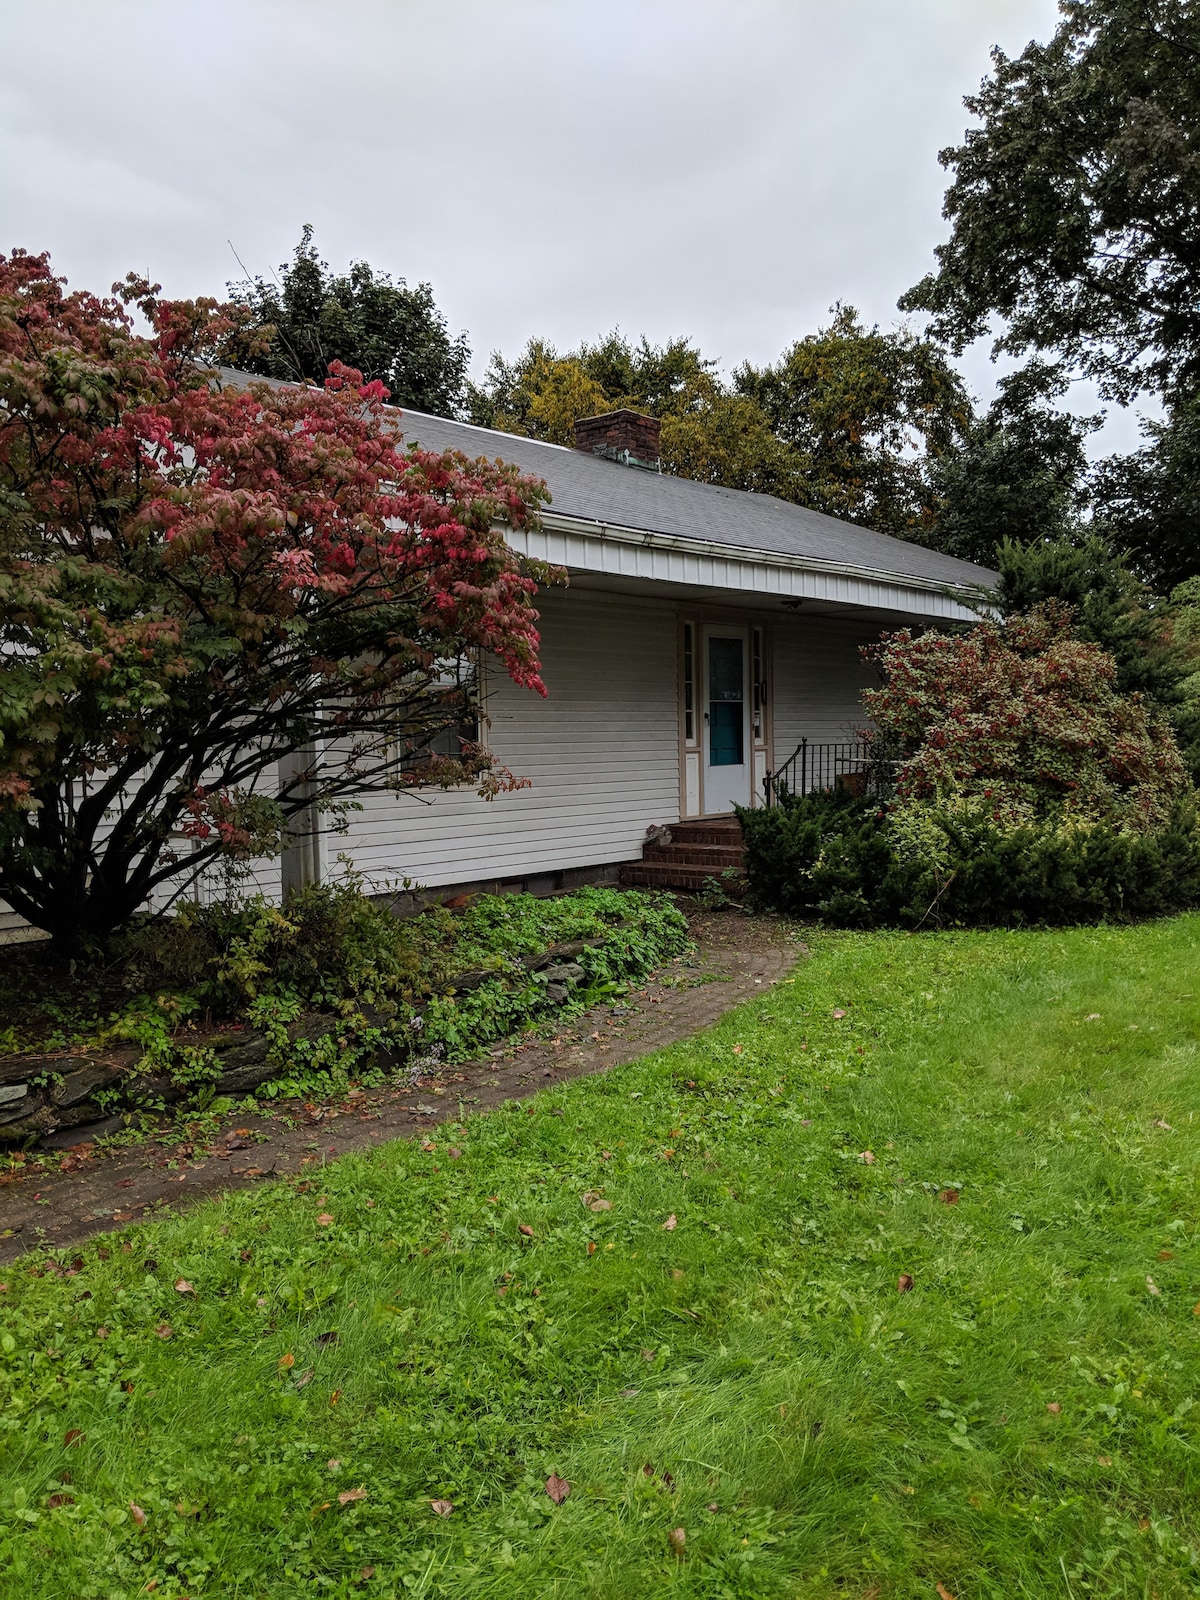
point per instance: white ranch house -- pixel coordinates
(703, 634)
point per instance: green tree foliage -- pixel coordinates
(1075, 204)
(863, 413)
(383, 329)
(1149, 502)
(1016, 475)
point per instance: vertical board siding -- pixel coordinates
(819, 676)
(601, 753)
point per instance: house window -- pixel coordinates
(689, 684)
(457, 685)
(759, 699)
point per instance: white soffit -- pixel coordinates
(664, 558)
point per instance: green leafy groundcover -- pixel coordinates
(333, 949)
(846, 861)
(262, 1397)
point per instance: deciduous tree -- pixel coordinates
(200, 583)
(383, 329)
(1075, 202)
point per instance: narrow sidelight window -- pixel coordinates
(689, 684)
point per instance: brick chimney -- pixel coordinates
(624, 436)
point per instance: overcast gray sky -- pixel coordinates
(724, 169)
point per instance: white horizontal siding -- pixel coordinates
(819, 677)
(601, 753)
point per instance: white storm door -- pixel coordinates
(726, 700)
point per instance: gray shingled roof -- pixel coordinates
(598, 490)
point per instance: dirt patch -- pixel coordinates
(98, 1188)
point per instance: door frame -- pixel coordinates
(761, 696)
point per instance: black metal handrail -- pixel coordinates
(813, 767)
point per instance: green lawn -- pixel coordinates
(1021, 1422)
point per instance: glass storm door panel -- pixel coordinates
(726, 721)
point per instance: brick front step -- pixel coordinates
(658, 875)
(711, 831)
(712, 857)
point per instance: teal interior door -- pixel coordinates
(726, 721)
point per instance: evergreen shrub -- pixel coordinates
(851, 863)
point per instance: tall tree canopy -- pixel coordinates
(863, 413)
(1075, 204)
(383, 329)
(845, 422)
(1019, 472)
(219, 607)
(1149, 502)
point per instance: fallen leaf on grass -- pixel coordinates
(591, 1247)
(333, 1464)
(348, 1496)
(1152, 1286)
(57, 1500)
(948, 1197)
(306, 1377)
(868, 1157)
(943, 1592)
(1053, 1407)
(557, 1488)
(523, 1227)
(442, 1507)
(165, 1330)
(335, 1397)
(1166, 1255)
(287, 1361)
(428, 1146)
(713, 1507)
(454, 1154)
(182, 1286)
(601, 1205)
(670, 1224)
(74, 1436)
(1104, 1461)
(838, 1015)
(138, 1515)
(904, 1283)
(324, 1219)
(677, 1541)
(327, 1338)
(367, 1573)
(1161, 1124)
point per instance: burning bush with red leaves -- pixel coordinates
(221, 604)
(1020, 720)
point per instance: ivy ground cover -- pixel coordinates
(884, 1286)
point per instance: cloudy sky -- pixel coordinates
(724, 169)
